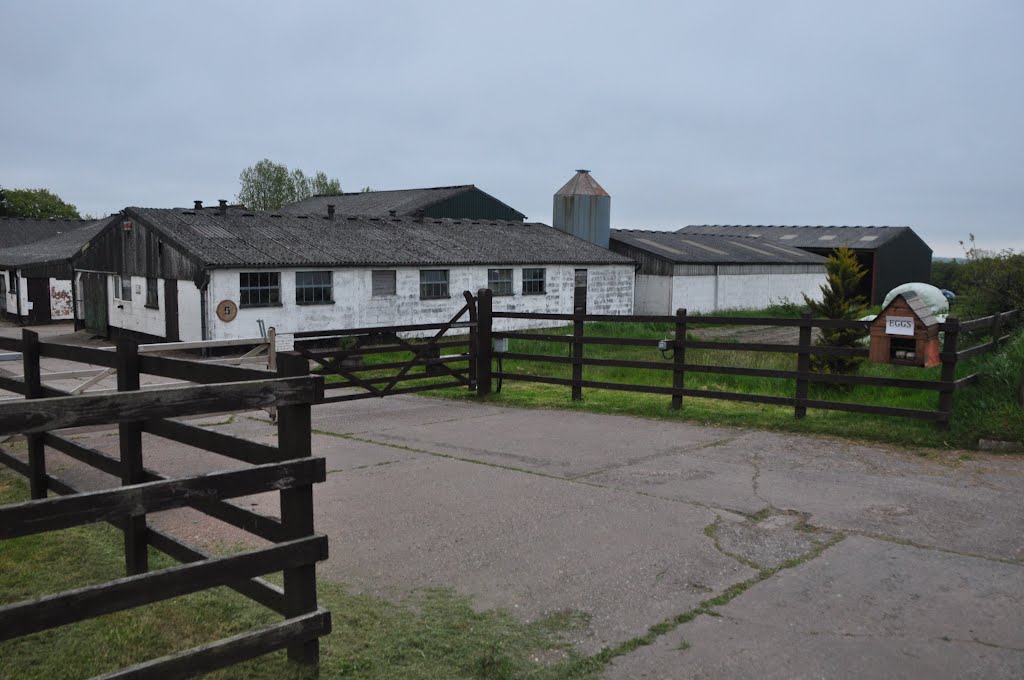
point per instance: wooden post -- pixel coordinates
(474, 339)
(136, 556)
(33, 390)
(485, 322)
(294, 438)
(272, 348)
(948, 375)
(997, 330)
(577, 354)
(679, 359)
(803, 364)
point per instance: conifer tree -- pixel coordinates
(839, 301)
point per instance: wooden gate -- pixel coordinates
(379, 361)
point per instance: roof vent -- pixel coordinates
(222, 207)
(199, 205)
(330, 211)
(392, 213)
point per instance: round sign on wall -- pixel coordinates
(227, 310)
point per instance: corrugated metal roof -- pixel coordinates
(861, 238)
(405, 202)
(16, 231)
(683, 247)
(258, 239)
(59, 247)
(581, 184)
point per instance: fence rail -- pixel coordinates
(679, 365)
(287, 468)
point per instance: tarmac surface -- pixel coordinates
(833, 558)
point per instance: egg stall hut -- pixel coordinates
(906, 332)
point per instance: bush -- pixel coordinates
(989, 282)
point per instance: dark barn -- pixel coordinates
(892, 255)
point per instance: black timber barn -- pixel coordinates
(892, 256)
(465, 201)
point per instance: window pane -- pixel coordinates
(433, 284)
(313, 287)
(259, 288)
(500, 281)
(533, 281)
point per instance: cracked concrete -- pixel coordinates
(538, 511)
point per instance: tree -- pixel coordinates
(989, 282)
(839, 301)
(267, 185)
(37, 203)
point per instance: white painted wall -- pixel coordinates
(743, 291)
(190, 317)
(609, 291)
(133, 315)
(7, 303)
(653, 295)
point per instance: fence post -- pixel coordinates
(679, 359)
(294, 432)
(272, 349)
(948, 376)
(474, 338)
(803, 364)
(484, 318)
(33, 390)
(577, 354)
(997, 330)
(136, 556)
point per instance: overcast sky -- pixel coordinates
(891, 112)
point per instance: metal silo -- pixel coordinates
(583, 209)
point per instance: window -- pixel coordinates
(152, 298)
(313, 288)
(533, 281)
(123, 288)
(259, 289)
(500, 281)
(383, 282)
(433, 284)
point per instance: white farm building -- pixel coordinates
(701, 273)
(216, 273)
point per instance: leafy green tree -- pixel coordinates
(839, 301)
(38, 203)
(267, 185)
(989, 282)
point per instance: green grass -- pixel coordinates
(433, 634)
(985, 410)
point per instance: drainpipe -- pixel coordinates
(204, 306)
(17, 297)
(716, 286)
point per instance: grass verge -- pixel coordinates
(434, 634)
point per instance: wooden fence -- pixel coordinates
(680, 366)
(287, 467)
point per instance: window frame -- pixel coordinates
(444, 292)
(315, 287)
(529, 282)
(272, 288)
(152, 293)
(394, 282)
(507, 288)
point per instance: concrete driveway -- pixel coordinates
(829, 558)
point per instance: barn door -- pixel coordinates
(94, 296)
(171, 310)
(579, 297)
(38, 300)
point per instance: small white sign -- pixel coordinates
(899, 325)
(284, 342)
